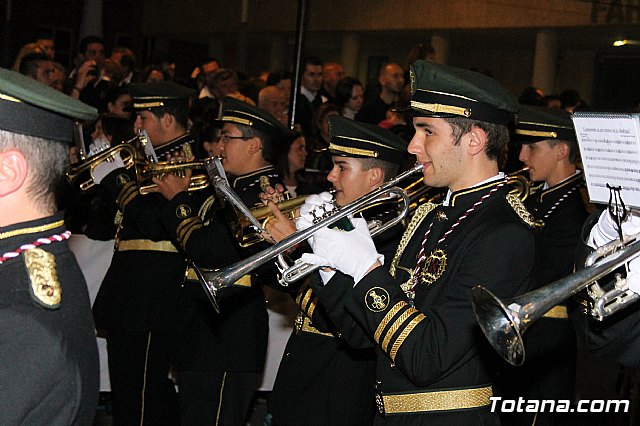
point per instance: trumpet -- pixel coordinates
(504, 322)
(216, 280)
(85, 168)
(150, 170)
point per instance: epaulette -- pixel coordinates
(45, 288)
(523, 213)
(418, 217)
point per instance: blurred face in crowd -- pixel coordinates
(312, 77)
(208, 70)
(349, 179)
(275, 102)
(225, 87)
(95, 52)
(117, 108)
(155, 76)
(48, 45)
(297, 155)
(392, 78)
(357, 98)
(332, 73)
(46, 72)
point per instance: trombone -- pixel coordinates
(216, 280)
(504, 322)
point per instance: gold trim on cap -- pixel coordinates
(437, 400)
(353, 151)
(9, 98)
(147, 105)
(447, 94)
(437, 108)
(536, 133)
(237, 120)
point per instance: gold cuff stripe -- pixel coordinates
(438, 108)
(353, 151)
(404, 316)
(183, 241)
(387, 318)
(32, 230)
(558, 312)
(438, 400)
(128, 193)
(124, 192)
(536, 133)
(403, 335)
(186, 226)
(129, 245)
(126, 202)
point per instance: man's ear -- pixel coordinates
(376, 177)
(255, 145)
(562, 151)
(477, 140)
(13, 171)
(167, 120)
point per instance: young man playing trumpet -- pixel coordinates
(549, 149)
(433, 364)
(324, 379)
(223, 353)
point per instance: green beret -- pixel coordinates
(444, 91)
(235, 111)
(535, 124)
(30, 108)
(350, 138)
(145, 96)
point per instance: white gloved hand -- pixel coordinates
(351, 252)
(605, 230)
(104, 168)
(314, 259)
(316, 206)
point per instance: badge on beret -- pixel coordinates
(123, 179)
(434, 266)
(45, 287)
(183, 211)
(377, 299)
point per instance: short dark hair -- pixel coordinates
(310, 60)
(572, 145)
(180, 112)
(209, 60)
(31, 62)
(497, 134)
(389, 169)
(268, 142)
(85, 42)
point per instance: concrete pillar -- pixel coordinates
(440, 43)
(278, 53)
(91, 19)
(545, 61)
(350, 53)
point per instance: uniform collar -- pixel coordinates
(568, 183)
(15, 235)
(174, 145)
(249, 178)
(454, 199)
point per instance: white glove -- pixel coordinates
(605, 230)
(315, 207)
(314, 259)
(352, 252)
(104, 168)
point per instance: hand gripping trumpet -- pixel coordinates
(216, 280)
(504, 322)
(85, 168)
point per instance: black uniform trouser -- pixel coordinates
(141, 391)
(219, 398)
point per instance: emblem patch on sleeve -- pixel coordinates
(183, 211)
(377, 299)
(45, 287)
(122, 179)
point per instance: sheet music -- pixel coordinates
(610, 150)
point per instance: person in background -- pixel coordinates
(349, 96)
(332, 73)
(374, 109)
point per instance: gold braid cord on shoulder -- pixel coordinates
(522, 211)
(417, 218)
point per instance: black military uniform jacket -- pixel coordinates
(235, 339)
(322, 380)
(431, 342)
(49, 373)
(142, 290)
(550, 344)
